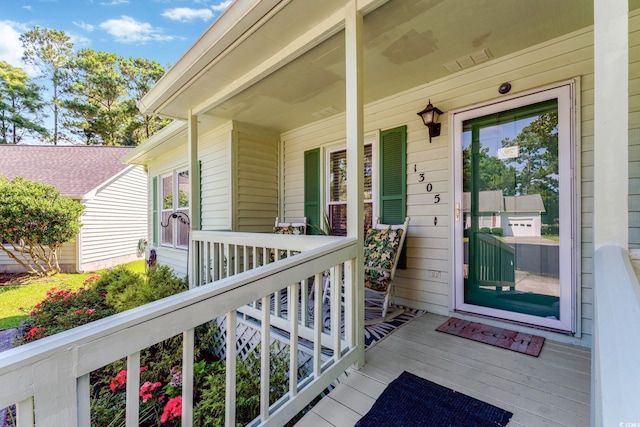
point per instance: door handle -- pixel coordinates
(457, 212)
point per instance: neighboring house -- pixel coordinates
(522, 215)
(114, 195)
(515, 215)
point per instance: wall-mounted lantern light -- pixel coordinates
(430, 116)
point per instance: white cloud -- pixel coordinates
(186, 14)
(27, 7)
(114, 3)
(78, 40)
(128, 30)
(10, 45)
(83, 25)
(223, 5)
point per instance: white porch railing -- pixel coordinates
(615, 369)
(49, 379)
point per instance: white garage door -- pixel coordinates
(521, 226)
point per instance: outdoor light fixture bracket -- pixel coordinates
(181, 216)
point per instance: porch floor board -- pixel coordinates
(551, 390)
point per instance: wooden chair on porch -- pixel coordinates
(296, 228)
(382, 246)
(292, 228)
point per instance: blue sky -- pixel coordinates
(161, 30)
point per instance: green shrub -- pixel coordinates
(209, 408)
(497, 231)
(550, 229)
(127, 290)
(35, 220)
(486, 230)
(114, 283)
(160, 375)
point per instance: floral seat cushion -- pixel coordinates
(288, 229)
(380, 247)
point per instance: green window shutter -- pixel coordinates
(393, 180)
(393, 176)
(312, 189)
(154, 209)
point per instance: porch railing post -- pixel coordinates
(355, 150)
(56, 391)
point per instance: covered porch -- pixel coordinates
(551, 390)
(274, 80)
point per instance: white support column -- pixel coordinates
(194, 196)
(610, 208)
(355, 154)
(611, 123)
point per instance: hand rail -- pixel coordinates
(615, 372)
(50, 377)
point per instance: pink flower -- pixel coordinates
(34, 331)
(147, 389)
(92, 279)
(120, 379)
(172, 410)
(90, 310)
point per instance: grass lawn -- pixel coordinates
(31, 290)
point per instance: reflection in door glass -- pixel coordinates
(511, 210)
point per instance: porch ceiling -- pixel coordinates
(406, 43)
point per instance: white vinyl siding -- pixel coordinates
(215, 177)
(66, 260)
(256, 199)
(634, 131)
(239, 182)
(427, 282)
(115, 219)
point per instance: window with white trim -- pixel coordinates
(384, 176)
(336, 193)
(174, 209)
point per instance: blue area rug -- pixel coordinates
(411, 401)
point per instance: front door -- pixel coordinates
(514, 210)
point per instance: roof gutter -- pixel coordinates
(237, 20)
(136, 155)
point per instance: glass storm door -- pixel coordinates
(513, 211)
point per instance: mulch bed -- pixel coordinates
(14, 279)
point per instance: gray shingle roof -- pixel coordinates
(73, 170)
(490, 201)
(524, 204)
(493, 201)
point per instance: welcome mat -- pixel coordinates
(503, 338)
(411, 401)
